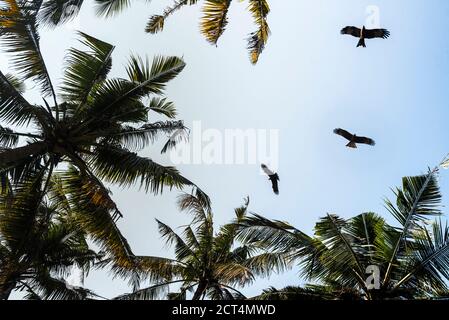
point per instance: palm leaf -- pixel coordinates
(85, 69)
(156, 22)
(57, 12)
(13, 106)
(21, 39)
(419, 198)
(258, 39)
(214, 20)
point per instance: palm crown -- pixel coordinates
(40, 242)
(209, 263)
(412, 258)
(95, 123)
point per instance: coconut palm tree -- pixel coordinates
(96, 123)
(212, 26)
(39, 243)
(345, 257)
(206, 263)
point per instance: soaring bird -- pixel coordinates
(354, 139)
(364, 33)
(273, 177)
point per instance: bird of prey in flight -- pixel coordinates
(273, 177)
(354, 139)
(364, 33)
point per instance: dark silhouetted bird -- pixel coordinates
(354, 139)
(273, 177)
(364, 33)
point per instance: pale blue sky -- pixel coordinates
(309, 80)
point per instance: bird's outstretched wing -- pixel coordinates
(274, 181)
(377, 33)
(365, 140)
(353, 31)
(267, 171)
(345, 134)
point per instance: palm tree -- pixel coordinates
(212, 26)
(95, 124)
(412, 258)
(39, 243)
(206, 263)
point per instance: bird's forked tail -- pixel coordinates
(361, 43)
(352, 144)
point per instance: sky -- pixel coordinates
(309, 80)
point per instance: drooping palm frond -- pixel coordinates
(109, 8)
(139, 138)
(8, 138)
(214, 20)
(151, 293)
(56, 12)
(46, 287)
(295, 293)
(19, 34)
(156, 22)
(258, 39)
(13, 106)
(428, 262)
(119, 166)
(16, 83)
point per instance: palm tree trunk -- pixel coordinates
(202, 286)
(12, 156)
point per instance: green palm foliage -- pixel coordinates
(207, 263)
(212, 24)
(214, 21)
(413, 257)
(40, 243)
(96, 123)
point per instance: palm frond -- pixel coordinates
(16, 83)
(156, 22)
(50, 288)
(85, 68)
(342, 258)
(96, 214)
(109, 8)
(162, 106)
(151, 293)
(8, 138)
(13, 106)
(118, 165)
(182, 250)
(19, 34)
(429, 259)
(258, 39)
(139, 138)
(419, 198)
(57, 12)
(214, 20)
